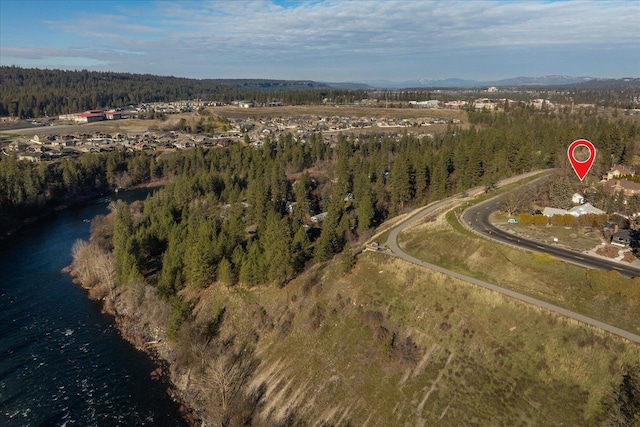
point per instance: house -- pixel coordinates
(484, 105)
(626, 187)
(373, 246)
(585, 209)
(550, 212)
(432, 103)
(31, 157)
(577, 199)
(541, 103)
(455, 104)
(576, 211)
(618, 171)
(40, 139)
(112, 115)
(622, 238)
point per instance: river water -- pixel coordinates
(62, 362)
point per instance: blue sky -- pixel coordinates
(326, 40)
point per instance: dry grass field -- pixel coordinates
(137, 126)
(334, 110)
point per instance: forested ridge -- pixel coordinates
(33, 92)
(193, 231)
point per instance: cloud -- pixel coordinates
(261, 38)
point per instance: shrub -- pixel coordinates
(540, 220)
(525, 219)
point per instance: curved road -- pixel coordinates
(392, 244)
(476, 218)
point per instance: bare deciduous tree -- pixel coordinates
(93, 266)
(225, 374)
(515, 201)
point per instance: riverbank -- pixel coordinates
(75, 201)
(135, 326)
(139, 315)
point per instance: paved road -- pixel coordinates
(392, 244)
(477, 219)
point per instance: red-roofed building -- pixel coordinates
(90, 116)
(112, 115)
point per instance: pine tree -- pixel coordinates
(278, 252)
(300, 246)
(123, 244)
(348, 258)
(225, 272)
(402, 181)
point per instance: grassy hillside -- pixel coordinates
(390, 343)
(607, 296)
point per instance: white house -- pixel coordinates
(576, 211)
(587, 208)
(553, 211)
(577, 199)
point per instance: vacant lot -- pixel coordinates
(130, 126)
(335, 110)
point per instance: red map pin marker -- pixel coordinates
(581, 168)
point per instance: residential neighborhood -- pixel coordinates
(50, 145)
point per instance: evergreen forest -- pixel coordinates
(32, 92)
(243, 214)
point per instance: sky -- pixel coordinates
(326, 40)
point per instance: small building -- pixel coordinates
(113, 115)
(577, 199)
(622, 238)
(319, 218)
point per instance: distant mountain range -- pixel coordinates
(554, 80)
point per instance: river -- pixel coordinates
(62, 362)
